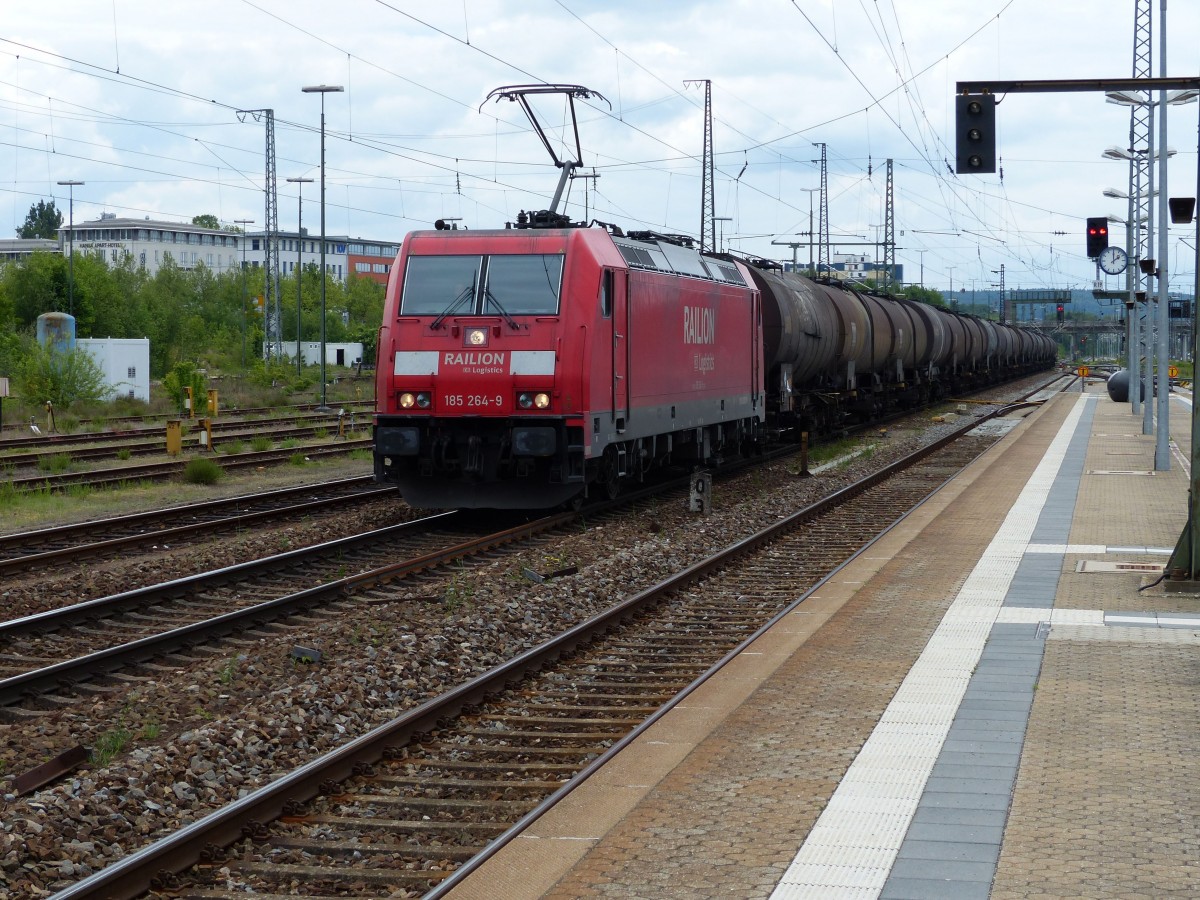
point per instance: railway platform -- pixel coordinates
(994, 700)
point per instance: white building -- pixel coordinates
(150, 243)
(343, 255)
(125, 363)
(348, 354)
(18, 249)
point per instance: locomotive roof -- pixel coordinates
(650, 252)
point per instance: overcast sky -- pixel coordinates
(139, 99)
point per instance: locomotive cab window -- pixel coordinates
(606, 294)
(504, 285)
(434, 284)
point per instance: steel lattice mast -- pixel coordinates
(823, 227)
(708, 205)
(889, 231)
(272, 312)
(1141, 124)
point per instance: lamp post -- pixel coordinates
(1133, 335)
(244, 223)
(323, 89)
(721, 239)
(300, 183)
(70, 186)
(810, 192)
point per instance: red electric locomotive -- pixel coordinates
(518, 368)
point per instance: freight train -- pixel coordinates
(529, 367)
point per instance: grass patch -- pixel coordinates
(260, 443)
(202, 471)
(78, 491)
(289, 443)
(109, 744)
(298, 459)
(124, 454)
(233, 446)
(460, 592)
(55, 464)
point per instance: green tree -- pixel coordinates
(924, 295)
(42, 221)
(62, 378)
(34, 286)
(206, 220)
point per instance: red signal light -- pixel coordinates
(1096, 235)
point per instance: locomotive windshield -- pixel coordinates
(505, 285)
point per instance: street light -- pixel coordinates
(721, 238)
(1115, 152)
(70, 186)
(323, 89)
(244, 223)
(1118, 194)
(1132, 98)
(810, 192)
(300, 183)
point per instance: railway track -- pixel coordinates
(125, 427)
(55, 658)
(82, 540)
(170, 469)
(92, 451)
(414, 803)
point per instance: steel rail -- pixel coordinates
(20, 687)
(233, 519)
(146, 447)
(155, 471)
(228, 420)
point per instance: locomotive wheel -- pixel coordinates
(609, 479)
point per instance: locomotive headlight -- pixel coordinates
(541, 401)
(475, 337)
(420, 400)
(525, 401)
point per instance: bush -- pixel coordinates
(62, 378)
(202, 471)
(182, 376)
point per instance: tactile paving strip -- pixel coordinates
(954, 650)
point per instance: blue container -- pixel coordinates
(56, 330)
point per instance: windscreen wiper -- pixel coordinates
(466, 292)
(512, 323)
